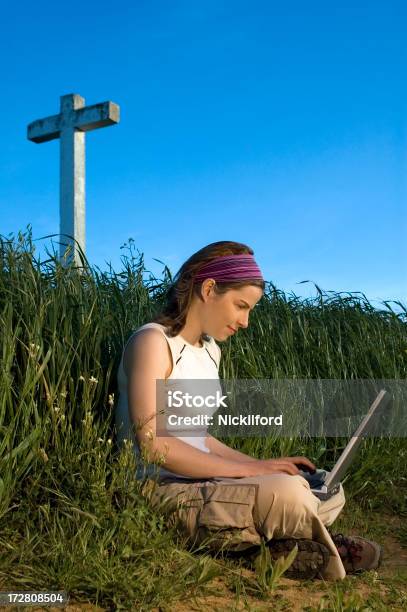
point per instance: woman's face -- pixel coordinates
(225, 314)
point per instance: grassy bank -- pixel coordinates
(72, 516)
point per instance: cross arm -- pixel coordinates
(44, 129)
(97, 116)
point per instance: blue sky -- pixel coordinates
(278, 124)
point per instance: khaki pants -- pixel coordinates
(237, 513)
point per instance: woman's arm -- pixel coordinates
(186, 460)
(222, 450)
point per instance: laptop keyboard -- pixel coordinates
(315, 480)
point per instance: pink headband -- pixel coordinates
(229, 268)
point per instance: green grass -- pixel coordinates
(72, 515)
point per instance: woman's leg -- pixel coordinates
(282, 506)
(222, 512)
(286, 508)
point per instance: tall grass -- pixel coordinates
(71, 513)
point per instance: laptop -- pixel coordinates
(324, 484)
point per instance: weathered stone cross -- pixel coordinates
(70, 126)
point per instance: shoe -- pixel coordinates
(312, 557)
(357, 554)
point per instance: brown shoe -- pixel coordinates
(357, 554)
(312, 557)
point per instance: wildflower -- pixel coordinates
(111, 399)
(109, 441)
(100, 440)
(43, 455)
(88, 418)
(93, 380)
(33, 349)
(56, 409)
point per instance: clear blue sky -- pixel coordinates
(278, 124)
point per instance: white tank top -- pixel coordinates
(189, 362)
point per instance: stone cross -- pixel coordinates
(70, 126)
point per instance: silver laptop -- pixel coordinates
(325, 484)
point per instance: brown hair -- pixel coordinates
(179, 295)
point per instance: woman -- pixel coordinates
(213, 488)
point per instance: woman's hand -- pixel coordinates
(282, 465)
(302, 462)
